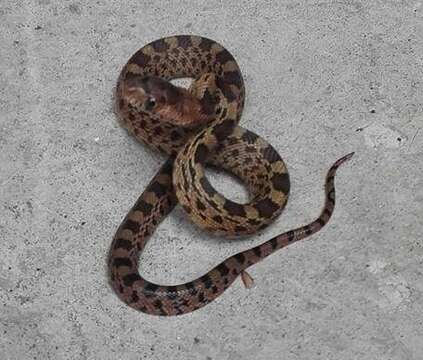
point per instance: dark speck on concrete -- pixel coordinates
(75, 9)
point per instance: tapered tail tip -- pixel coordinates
(348, 156)
(344, 158)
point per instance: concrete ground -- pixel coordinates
(323, 78)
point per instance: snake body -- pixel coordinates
(196, 127)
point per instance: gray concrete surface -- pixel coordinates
(323, 78)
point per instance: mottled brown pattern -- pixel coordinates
(146, 109)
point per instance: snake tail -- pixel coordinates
(165, 300)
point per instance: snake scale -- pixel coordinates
(197, 127)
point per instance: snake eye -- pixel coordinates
(150, 103)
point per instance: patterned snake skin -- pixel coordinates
(196, 127)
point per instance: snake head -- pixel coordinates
(148, 94)
(156, 96)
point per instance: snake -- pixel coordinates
(197, 127)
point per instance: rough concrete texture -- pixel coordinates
(323, 78)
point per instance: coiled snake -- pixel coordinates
(197, 127)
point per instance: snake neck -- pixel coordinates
(188, 112)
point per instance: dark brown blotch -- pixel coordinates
(240, 229)
(157, 131)
(200, 205)
(234, 209)
(224, 129)
(150, 287)
(233, 77)
(249, 137)
(208, 189)
(175, 135)
(253, 222)
(218, 219)
(270, 154)
(140, 59)
(266, 208)
(158, 304)
(257, 252)
(226, 89)
(224, 112)
(158, 189)
(122, 261)
(187, 209)
(131, 225)
(160, 45)
(134, 298)
(228, 93)
(208, 103)
(223, 269)
(201, 298)
(123, 244)
(207, 281)
(184, 42)
(224, 56)
(171, 292)
(240, 258)
(201, 153)
(128, 280)
(206, 44)
(143, 206)
(321, 222)
(331, 196)
(281, 182)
